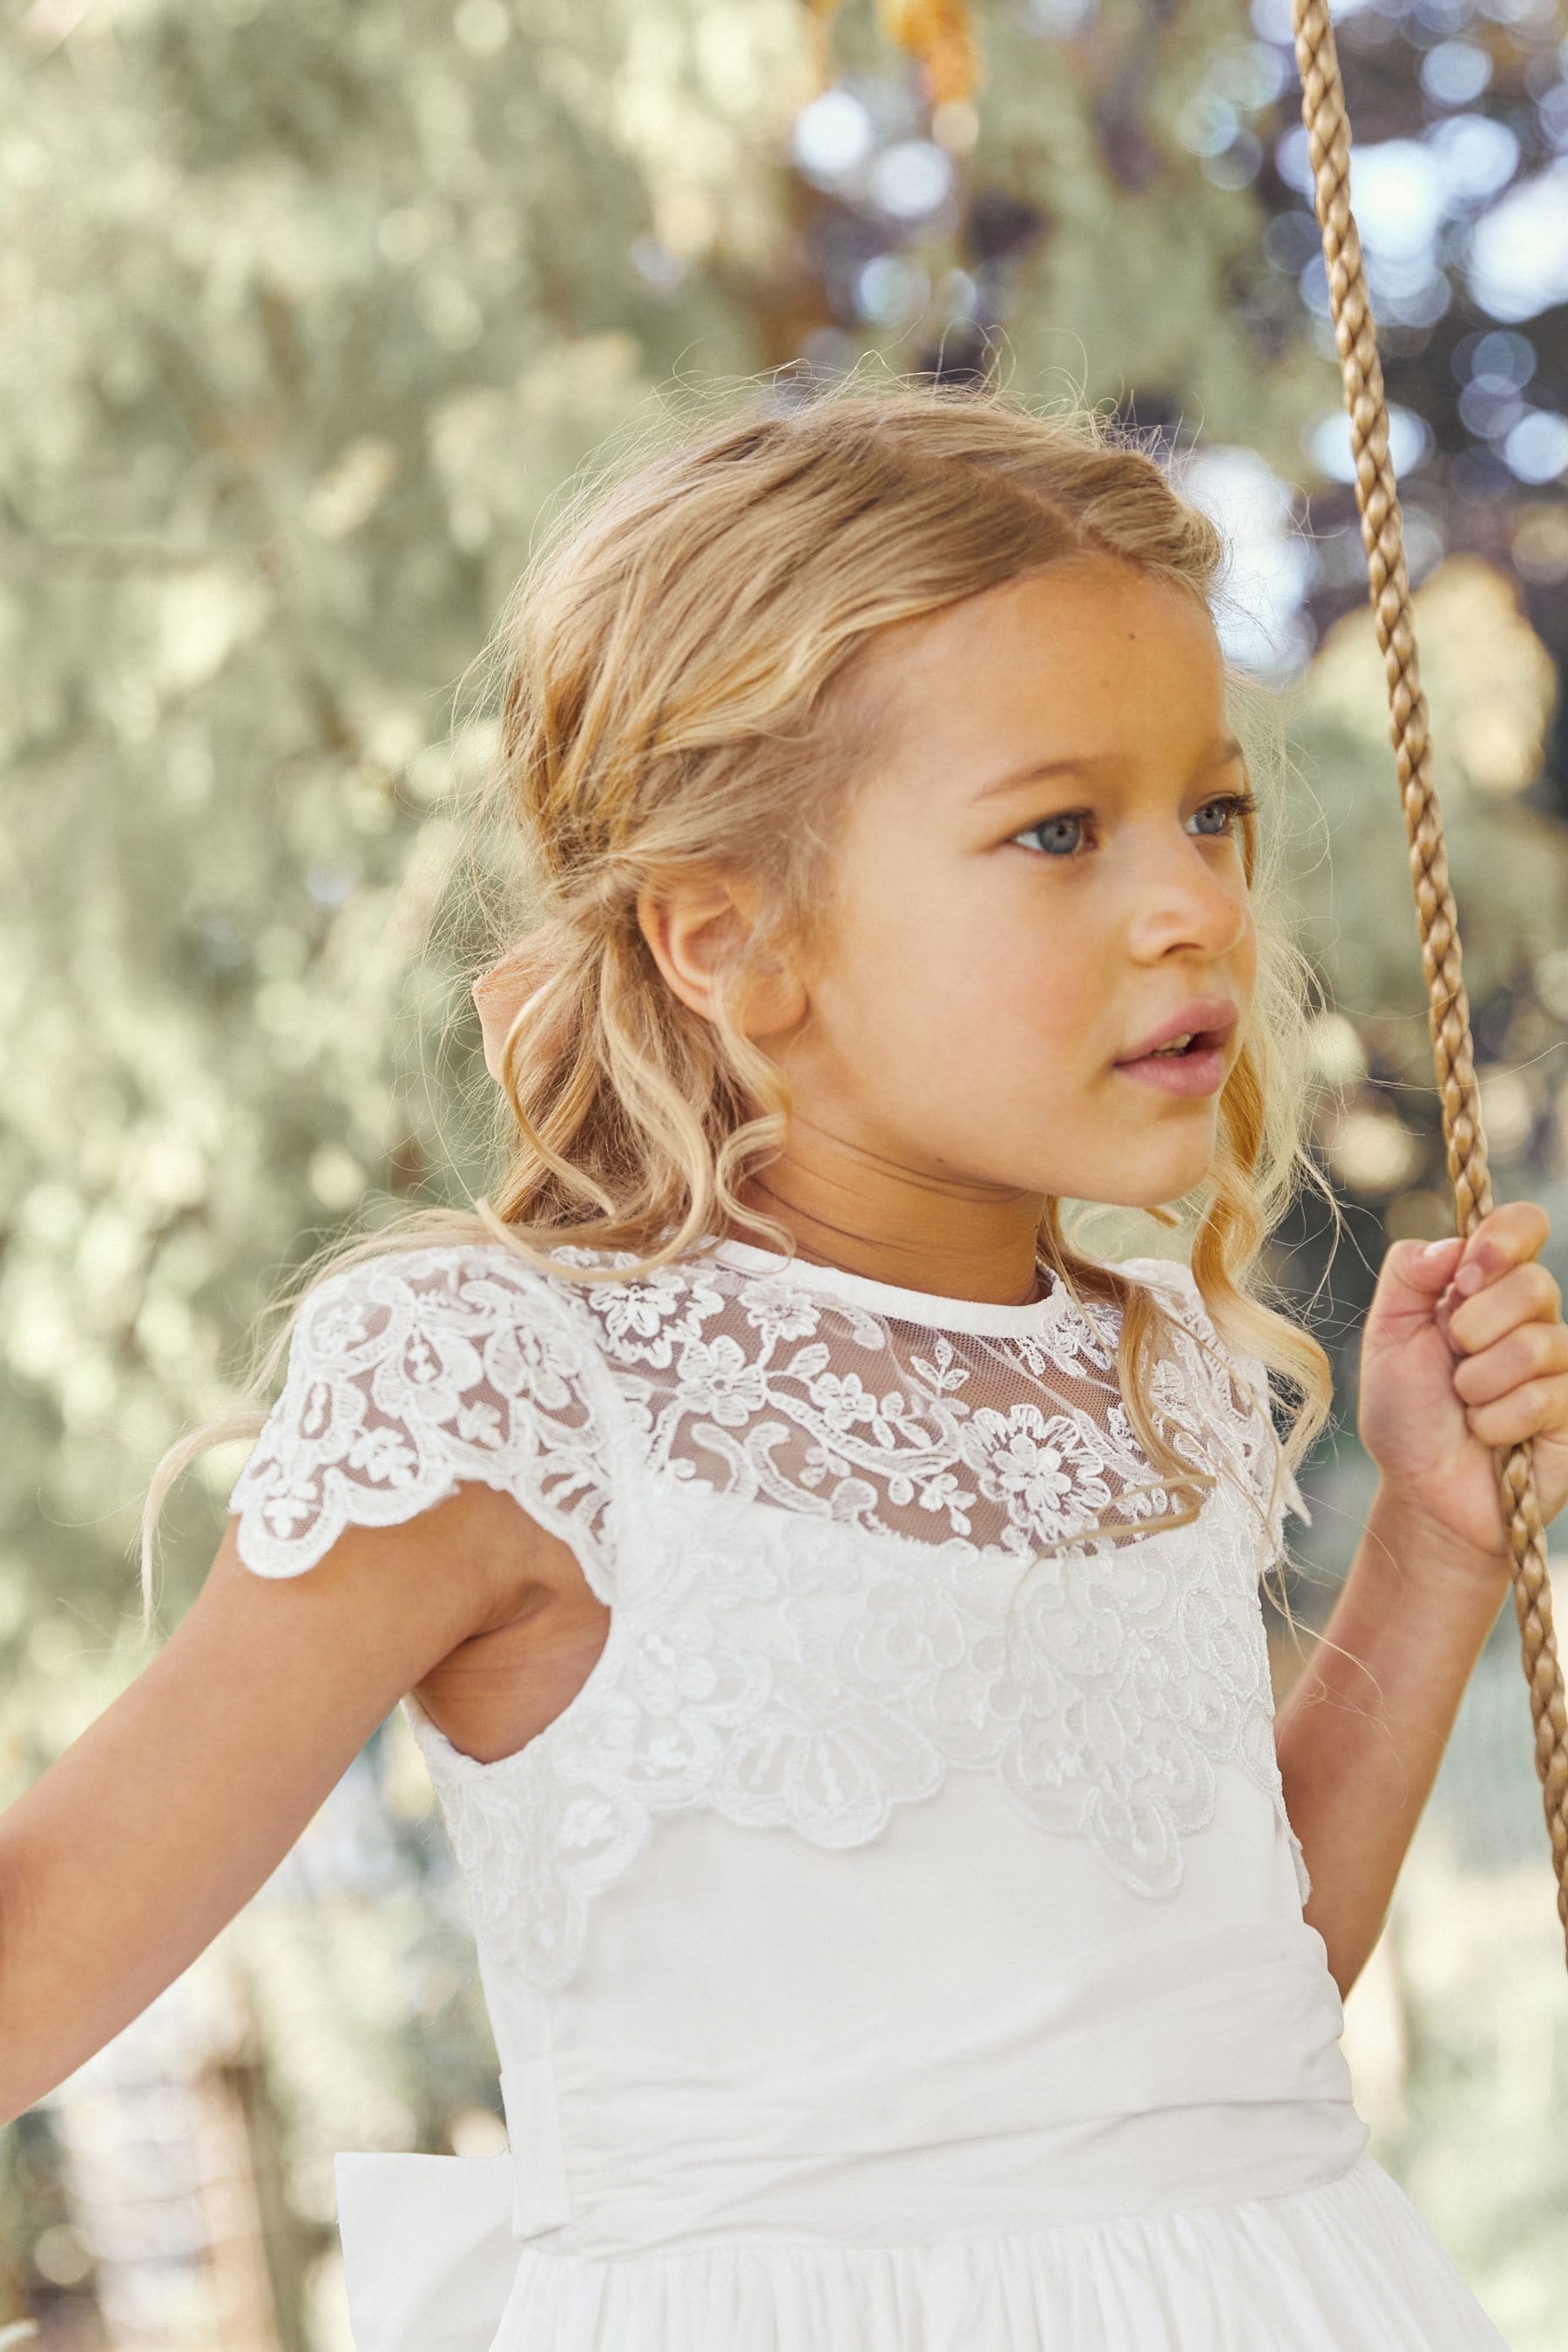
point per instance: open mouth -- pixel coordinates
(1202, 1041)
(1194, 1065)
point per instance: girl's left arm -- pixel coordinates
(1465, 1350)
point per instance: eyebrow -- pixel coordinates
(1090, 763)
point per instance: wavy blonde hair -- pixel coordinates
(681, 689)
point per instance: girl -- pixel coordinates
(825, 1589)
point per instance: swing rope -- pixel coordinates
(939, 34)
(1382, 536)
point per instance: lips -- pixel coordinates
(1208, 1020)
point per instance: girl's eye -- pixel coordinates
(1231, 806)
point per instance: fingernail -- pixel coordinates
(1468, 1279)
(1436, 1249)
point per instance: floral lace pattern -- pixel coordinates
(411, 1373)
(820, 1426)
(847, 1554)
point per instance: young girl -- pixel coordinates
(825, 1591)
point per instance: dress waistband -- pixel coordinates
(1072, 2101)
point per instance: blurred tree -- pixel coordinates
(291, 371)
(311, 311)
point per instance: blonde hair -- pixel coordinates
(680, 691)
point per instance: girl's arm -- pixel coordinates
(1464, 1351)
(1359, 1743)
(121, 1865)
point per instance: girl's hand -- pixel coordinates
(1465, 1350)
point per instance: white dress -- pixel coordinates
(896, 1946)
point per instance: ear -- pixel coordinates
(690, 926)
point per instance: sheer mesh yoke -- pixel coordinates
(860, 1403)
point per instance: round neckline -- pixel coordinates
(935, 1309)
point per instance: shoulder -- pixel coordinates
(1177, 1289)
(474, 1302)
(414, 1370)
(439, 1280)
(1174, 1283)
(1177, 1292)
(1242, 1401)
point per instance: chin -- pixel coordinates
(1157, 1189)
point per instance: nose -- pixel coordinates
(1192, 899)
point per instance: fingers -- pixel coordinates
(1525, 1412)
(1525, 1293)
(1502, 1313)
(1505, 1237)
(1530, 1353)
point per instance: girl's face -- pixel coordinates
(998, 939)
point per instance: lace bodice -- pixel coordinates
(853, 1539)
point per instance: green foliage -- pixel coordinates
(309, 311)
(288, 370)
(340, 300)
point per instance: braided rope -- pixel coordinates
(1355, 334)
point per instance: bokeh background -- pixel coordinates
(309, 311)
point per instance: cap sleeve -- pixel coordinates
(413, 1371)
(1258, 1439)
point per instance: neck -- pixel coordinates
(843, 1206)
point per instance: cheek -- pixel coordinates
(899, 950)
(944, 962)
(1020, 955)
(970, 984)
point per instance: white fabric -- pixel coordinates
(897, 1943)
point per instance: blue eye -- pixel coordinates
(1234, 805)
(1231, 806)
(1074, 818)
